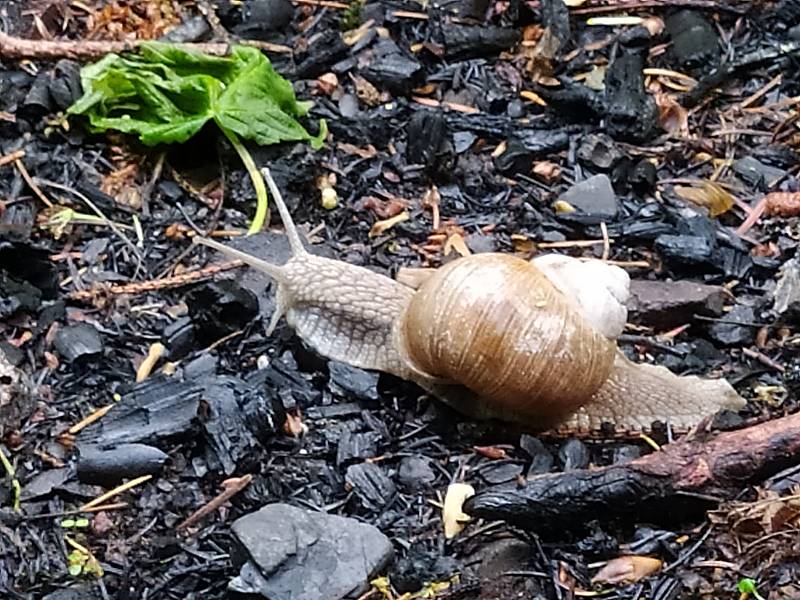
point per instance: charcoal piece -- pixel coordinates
(643, 177)
(574, 102)
(415, 473)
(735, 328)
(348, 106)
(776, 155)
(77, 342)
(283, 550)
(498, 471)
(474, 9)
(65, 85)
(17, 398)
(44, 482)
(393, 70)
(37, 102)
(352, 382)
(757, 174)
(686, 250)
(16, 222)
(240, 419)
(324, 52)
(371, 485)
(76, 592)
(108, 467)
(27, 262)
(462, 42)
(221, 307)
(179, 338)
(695, 44)
(354, 445)
(264, 17)
(667, 304)
(599, 151)
(463, 140)
(419, 566)
(786, 296)
(12, 356)
(573, 454)
(193, 29)
(631, 113)
(540, 459)
(516, 109)
(17, 296)
(528, 145)
(152, 412)
(427, 132)
(593, 199)
(625, 452)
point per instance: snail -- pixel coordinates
(493, 335)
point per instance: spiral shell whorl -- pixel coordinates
(495, 324)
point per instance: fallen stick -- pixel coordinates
(15, 48)
(681, 480)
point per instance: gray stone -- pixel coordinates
(594, 200)
(787, 292)
(294, 554)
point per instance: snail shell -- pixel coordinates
(495, 324)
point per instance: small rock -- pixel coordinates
(787, 292)
(729, 333)
(541, 459)
(295, 554)
(599, 150)
(667, 304)
(80, 341)
(373, 487)
(111, 466)
(415, 473)
(594, 200)
(573, 454)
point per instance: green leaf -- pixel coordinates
(748, 586)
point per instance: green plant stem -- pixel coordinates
(14, 481)
(260, 217)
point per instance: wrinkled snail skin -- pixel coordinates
(494, 336)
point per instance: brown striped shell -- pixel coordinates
(496, 325)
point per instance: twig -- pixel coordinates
(115, 492)
(31, 183)
(85, 422)
(155, 352)
(157, 284)
(14, 48)
(231, 487)
(10, 158)
(9, 468)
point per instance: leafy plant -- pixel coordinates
(747, 587)
(165, 94)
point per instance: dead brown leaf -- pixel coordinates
(710, 195)
(673, 117)
(627, 569)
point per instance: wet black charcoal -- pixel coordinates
(776, 155)
(179, 338)
(625, 452)
(76, 342)
(667, 304)
(171, 191)
(36, 268)
(11, 355)
(523, 148)
(594, 200)
(516, 109)
(152, 412)
(264, 16)
(573, 454)
(37, 102)
(643, 177)
(203, 365)
(240, 419)
(598, 151)
(757, 174)
(76, 592)
(786, 296)
(349, 382)
(574, 102)
(500, 471)
(784, 482)
(415, 473)
(282, 549)
(221, 307)
(283, 376)
(541, 461)
(43, 483)
(371, 485)
(348, 106)
(694, 41)
(599, 545)
(65, 86)
(354, 445)
(334, 411)
(17, 296)
(631, 113)
(686, 250)
(427, 132)
(108, 467)
(461, 41)
(16, 222)
(419, 566)
(474, 9)
(392, 69)
(728, 332)
(193, 29)
(323, 52)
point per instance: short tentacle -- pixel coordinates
(277, 272)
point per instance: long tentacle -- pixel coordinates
(288, 223)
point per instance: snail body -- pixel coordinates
(493, 335)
